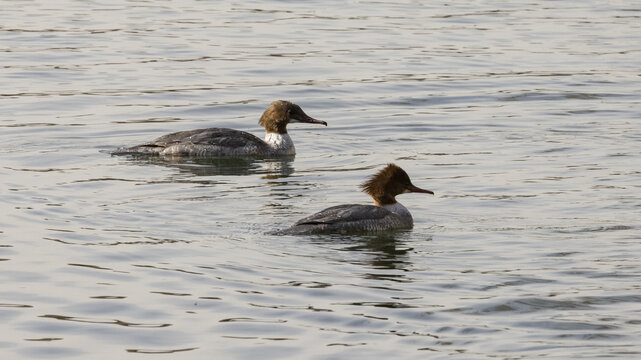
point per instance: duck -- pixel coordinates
(386, 213)
(214, 142)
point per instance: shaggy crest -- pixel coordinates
(386, 184)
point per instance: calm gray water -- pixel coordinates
(523, 116)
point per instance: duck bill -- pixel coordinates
(416, 189)
(304, 118)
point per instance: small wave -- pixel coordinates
(547, 96)
(152, 351)
(101, 321)
(567, 325)
(524, 305)
(597, 229)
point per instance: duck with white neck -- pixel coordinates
(214, 142)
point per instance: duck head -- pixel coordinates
(280, 113)
(389, 182)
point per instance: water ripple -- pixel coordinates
(101, 321)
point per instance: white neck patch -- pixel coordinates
(280, 143)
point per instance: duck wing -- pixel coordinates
(202, 142)
(350, 218)
(345, 213)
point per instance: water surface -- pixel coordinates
(523, 117)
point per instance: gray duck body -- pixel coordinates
(202, 143)
(350, 218)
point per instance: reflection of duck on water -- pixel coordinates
(386, 214)
(213, 142)
(223, 166)
(384, 250)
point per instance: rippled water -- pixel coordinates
(523, 117)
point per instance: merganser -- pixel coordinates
(385, 214)
(213, 142)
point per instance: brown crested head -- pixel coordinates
(389, 182)
(280, 113)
